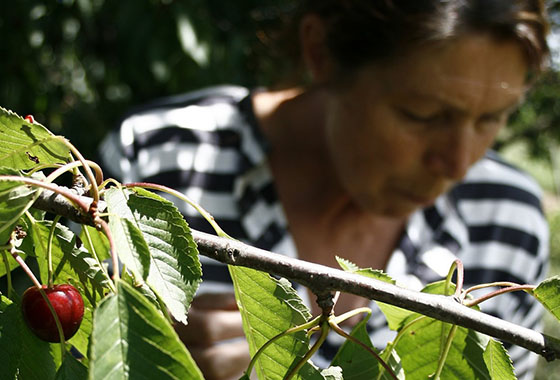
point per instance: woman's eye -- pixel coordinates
(421, 117)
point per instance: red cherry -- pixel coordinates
(30, 119)
(67, 303)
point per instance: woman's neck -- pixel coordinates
(314, 201)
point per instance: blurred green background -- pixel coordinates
(79, 65)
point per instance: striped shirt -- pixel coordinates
(207, 144)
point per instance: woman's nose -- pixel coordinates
(451, 154)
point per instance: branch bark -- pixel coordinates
(322, 279)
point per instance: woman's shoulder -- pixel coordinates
(207, 109)
(170, 132)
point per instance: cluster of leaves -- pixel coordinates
(127, 330)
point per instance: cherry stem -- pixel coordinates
(527, 288)
(56, 321)
(49, 252)
(96, 256)
(25, 268)
(101, 224)
(184, 198)
(344, 334)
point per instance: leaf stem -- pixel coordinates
(445, 352)
(458, 265)
(325, 327)
(528, 288)
(349, 314)
(93, 181)
(489, 285)
(344, 334)
(308, 325)
(74, 164)
(391, 345)
(184, 198)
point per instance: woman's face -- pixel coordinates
(403, 133)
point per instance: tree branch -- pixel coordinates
(321, 278)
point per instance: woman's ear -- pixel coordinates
(314, 51)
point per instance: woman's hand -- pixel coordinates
(214, 336)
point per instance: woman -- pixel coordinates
(381, 157)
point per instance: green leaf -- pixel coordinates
(175, 271)
(25, 145)
(15, 199)
(20, 350)
(71, 369)
(269, 307)
(12, 263)
(10, 344)
(95, 242)
(132, 340)
(498, 361)
(419, 350)
(548, 293)
(355, 361)
(132, 249)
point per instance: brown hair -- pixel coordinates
(366, 31)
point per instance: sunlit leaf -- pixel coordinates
(25, 145)
(269, 307)
(175, 270)
(498, 361)
(15, 199)
(129, 241)
(548, 293)
(419, 349)
(132, 340)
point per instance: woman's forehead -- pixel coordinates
(470, 67)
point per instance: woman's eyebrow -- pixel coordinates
(449, 104)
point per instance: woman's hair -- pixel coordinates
(366, 31)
